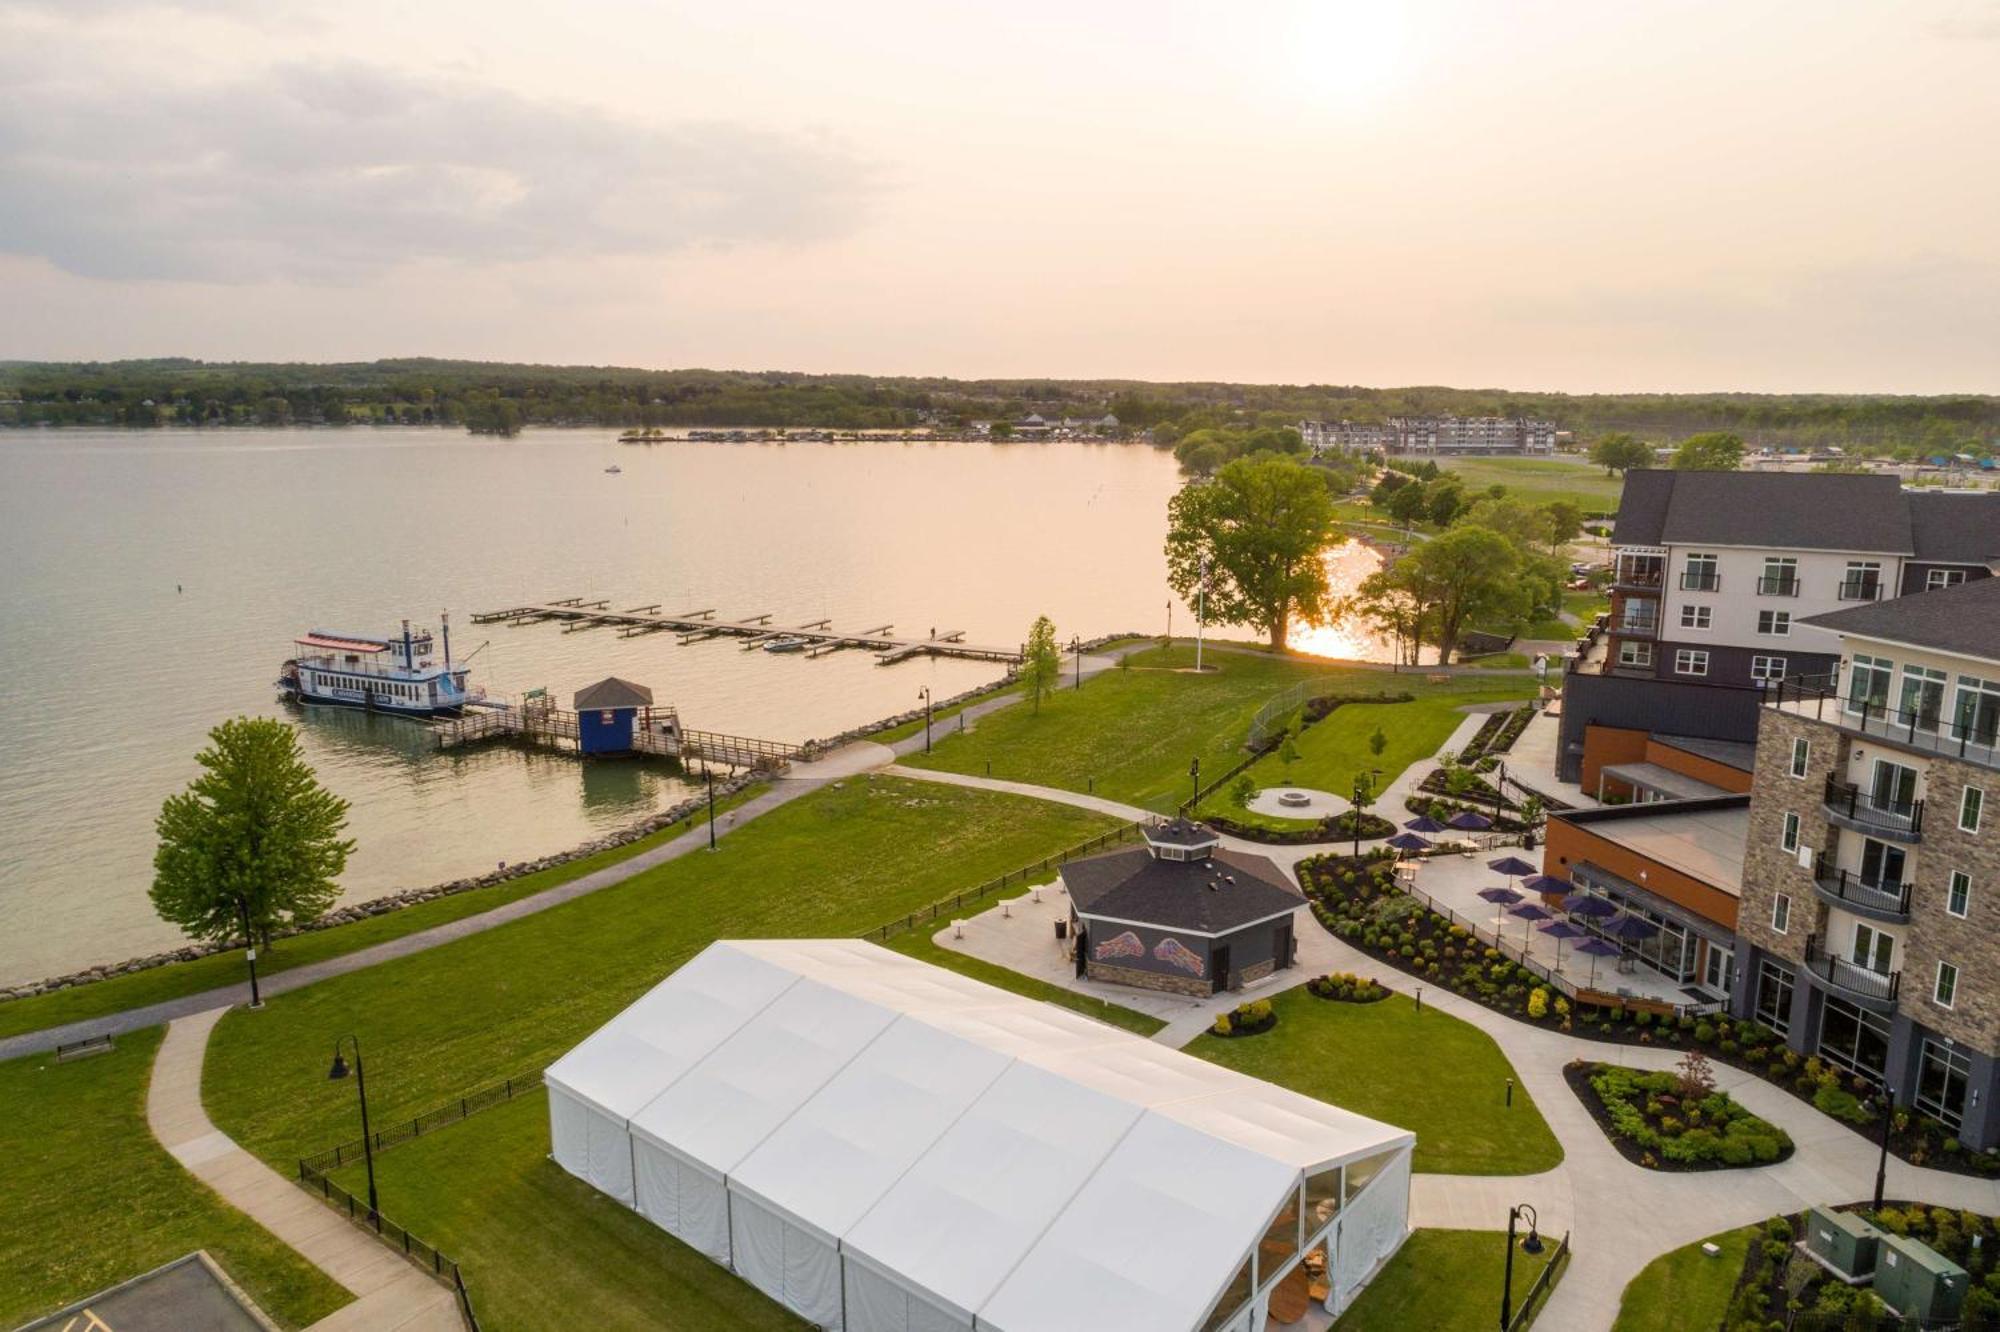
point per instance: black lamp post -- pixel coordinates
(1532, 1244)
(334, 1074)
(1076, 646)
(711, 810)
(250, 953)
(925, 695)
(1888, 1123)
(1194, 771)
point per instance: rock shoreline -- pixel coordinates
(381, 906)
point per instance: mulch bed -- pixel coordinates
(1333, 828)
(1577, 1074)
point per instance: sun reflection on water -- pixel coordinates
(1346, 565)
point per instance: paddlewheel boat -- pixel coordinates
(394, 675)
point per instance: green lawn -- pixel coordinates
(1685, 1288)
(917, 943)
(1129, 734)
(1447, 1281)
(91, 1199)
(179, 978)
(1428, 1072)
(539, 1248)
(837, 862)
(1337, 747)
(1541, 480)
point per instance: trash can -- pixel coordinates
(1062, 928)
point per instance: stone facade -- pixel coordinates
(1256, 971)
(1165, 982)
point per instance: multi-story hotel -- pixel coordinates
(1433, 434)
(1868, 929)
(1719, 577)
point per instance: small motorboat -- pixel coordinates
(788, 645)
(614, 469)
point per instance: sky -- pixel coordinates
(1584, 195)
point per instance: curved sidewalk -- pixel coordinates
(389, 1293)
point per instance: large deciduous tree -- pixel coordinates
(1041, 659)
(1468, 574)
(1617, 451)
(254, 842)
(1261, 527)
(1710, 451)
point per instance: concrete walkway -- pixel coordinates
(389, 1292)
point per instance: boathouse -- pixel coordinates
(606, 713)
(1181, 915)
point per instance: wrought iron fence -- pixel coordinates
(1531, 1303)
(403, 1130)
(419, 1252)
(1027, 873)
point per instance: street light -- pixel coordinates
(1888, 1123)
(1194, 771)
(250, 952)
(710, 774)
(925, 695)
(1531, 1245)
(1076, 646)
(335, 1074)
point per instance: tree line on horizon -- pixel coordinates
(503, 397)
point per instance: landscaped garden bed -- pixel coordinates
(1497, 734)
(1675, 1120)
(1251, 1019)
(1333, 828)
(1347, 988)
(1442, 808)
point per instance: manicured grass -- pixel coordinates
(1447, 1281)
(1129, 734)
(837, 862)
(1685, 1287)
(182, 978)
(539, 1248)
(1541, 480)
(91, 1199)
(1442, 1078)
(917, 943)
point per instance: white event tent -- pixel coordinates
(884, 1146)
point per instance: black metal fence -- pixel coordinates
(1531, 1303)
(1035, 873)
(403, 1130)
(421, 1253)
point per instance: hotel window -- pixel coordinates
(1701, 574)
(1977, 710)
(1874, 950)
(1855, 1040)
(1781, 913)
(1938, 579)
(1690, 661)
(1774, 622)
(1767, 669)
(1947, 985)
(1943, 1074)
(1696, 617)
(1774, 996)
(1789, 838)
(1922, 698)
(1958, 893)
(1863, 581)
(1635, 654)
(1781, 577)
(1970, 806)
(1868, 684)
(1801, 755)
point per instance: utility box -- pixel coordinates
(1845, 1242)
(1917, 1281)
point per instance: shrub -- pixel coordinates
(1841, 1104)
(1704, 1032)
(1538, 1003)
(1221, 1027)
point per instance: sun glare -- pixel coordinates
(1347, 56)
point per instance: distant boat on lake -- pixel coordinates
(788, 645)
(614, 469)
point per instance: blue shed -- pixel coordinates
(606, 712)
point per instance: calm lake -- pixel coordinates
(113, 677)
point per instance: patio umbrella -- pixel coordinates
(1561, 931)
(1409, 841)
(1424, 823)
(1591, 906)
(1471, 820)
(1512, 866)
(1499, 897)
(1548, 885)
(1527, 911)
(1594, 949)
(1631, 927)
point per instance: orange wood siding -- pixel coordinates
(1569, 845)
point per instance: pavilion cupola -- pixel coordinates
(1181, 839)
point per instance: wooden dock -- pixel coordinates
(538, 722)
(577, 614)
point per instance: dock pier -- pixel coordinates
(537, 721)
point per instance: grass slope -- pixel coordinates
(539, 1248)
(91, 1199)
(1540, 480)
(836, 862)
(1428, 1072)
(1128, 734)
(1446, 1281)
(1685, 1287)
(182, 978)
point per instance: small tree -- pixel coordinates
(1041, 660)
(254, 842)
(1364, 796)
(1697, 1078)
(1288, 750)
(1242, 791)
(1378, 742)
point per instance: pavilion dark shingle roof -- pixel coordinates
(1964, 620)
(612, 692)
(1176, 894)
(1181, 832)
(1809, 511)
(1956, 529)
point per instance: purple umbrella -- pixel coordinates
(1527, 911)
(1512, 866)
(1424, 823)
(1631, 927)
(1594, 949)
(1591, 906)
(1499, 897)
(1409, 842)
(1548, 885)
(1471, 820)
(1561, 931)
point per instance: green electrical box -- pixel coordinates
(1843, 1241)
(1917, 1281)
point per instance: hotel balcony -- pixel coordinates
(1701, 582)
(1861, 589)
(1925, 733)
(1634, 626)
(1850, 892)
(1851, 807)
(1851, 980)
(1777, 587)
(1639, 576)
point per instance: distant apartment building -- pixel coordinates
(1433, 434)
(1717, 578)
(1868, 929)
(1346, 436)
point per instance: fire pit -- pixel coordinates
(1294, 799)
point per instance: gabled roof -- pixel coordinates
(1810, 511)
(1964, 620)
(612, 692)
(1956, 529)
(1225, 892)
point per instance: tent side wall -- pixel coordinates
(682, 1199)
(1371, 1228)
(593, 1146)
(876, 1303)
(797, 1267)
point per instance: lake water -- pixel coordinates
(112, 677)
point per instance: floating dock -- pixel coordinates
(577, 614)
(539, 722)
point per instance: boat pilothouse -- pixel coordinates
(381, 674)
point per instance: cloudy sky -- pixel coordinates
(1574, 194)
